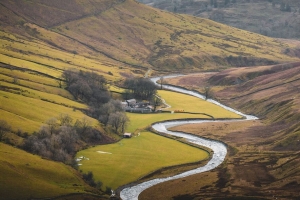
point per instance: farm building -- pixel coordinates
(127, 135)
(131, 102)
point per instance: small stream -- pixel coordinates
(219, 148)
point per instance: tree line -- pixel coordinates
(140, 88)
(60, 139)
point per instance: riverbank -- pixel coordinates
(219, 148)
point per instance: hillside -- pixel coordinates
(263, 155)
(40, 39)
(119, 31)
(24, 176)
(274, 18)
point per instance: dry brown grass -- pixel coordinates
(263, 156)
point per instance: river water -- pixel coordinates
(219, 149)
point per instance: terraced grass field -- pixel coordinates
(31, 86)
(24, 175)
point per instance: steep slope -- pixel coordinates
(273, 18)
(263, 160)
(26, 176)
(141, 36)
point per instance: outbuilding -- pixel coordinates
(127, 135)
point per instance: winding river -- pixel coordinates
(219, 148)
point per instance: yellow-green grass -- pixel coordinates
(17, 110)
(24, 176)
(179, 101)
(128, 160)
(141, 121)
(29, 65)
(56, 99)
(175, 37)
(23, 75)
(36, 52)
(116, 89)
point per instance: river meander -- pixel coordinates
(219, 149)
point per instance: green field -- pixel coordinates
(130, 159)
(179, 101)
(24, 176)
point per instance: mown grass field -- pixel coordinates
(130, 159)
(192, 104)
(24, 175)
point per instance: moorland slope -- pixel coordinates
(273, 18)
(141, 36)
(41, 39)
(263, 160)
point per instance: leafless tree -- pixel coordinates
(207, 92)
(156, 101)
(4, 127)
(118, 121)
(65, 120)
(52, 124)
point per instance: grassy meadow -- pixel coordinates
(130, 159)
(24, 175)
(179, 101)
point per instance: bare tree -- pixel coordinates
(161, 82)
(52, 124)
(4, 127)
(65, 120)
(156, 101)
(207, 92)
(118, 120)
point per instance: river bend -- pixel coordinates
(219, 149)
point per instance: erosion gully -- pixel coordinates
(219, 149)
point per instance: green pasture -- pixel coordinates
(28, 65)
(179, 101)
(141, 121)
(25, 176)
(56, 99)
(42, 57)
(17, 109)
(126, 161)
(28, 76)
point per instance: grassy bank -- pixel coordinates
(28, 175)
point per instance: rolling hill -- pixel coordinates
(263, 157)
(120, 31)
(273, 18)
(41, 39)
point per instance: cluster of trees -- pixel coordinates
(59, 140)
(91, 88)
(88, 87)
(111, 114)
(139, 88)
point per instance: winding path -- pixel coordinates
(219, 148)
